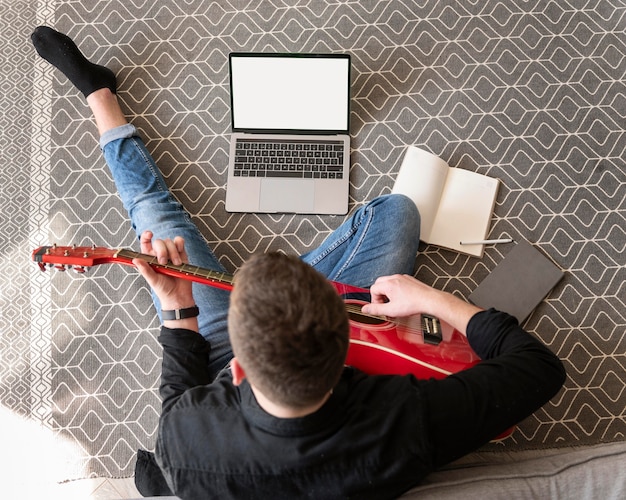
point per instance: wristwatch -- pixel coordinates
(189, 312)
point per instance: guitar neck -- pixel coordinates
(79, 258)
(428, 326)
(185, 271)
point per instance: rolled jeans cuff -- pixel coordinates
(122, 132)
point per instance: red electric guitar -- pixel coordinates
(421, 345)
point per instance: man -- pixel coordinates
(257, 402)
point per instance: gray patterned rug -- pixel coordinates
(532, 92)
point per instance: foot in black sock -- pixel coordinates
(60, 51)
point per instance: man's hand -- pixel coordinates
(399, 295)
(173, 293)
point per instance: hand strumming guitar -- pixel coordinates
(402, 295)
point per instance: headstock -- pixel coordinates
(74, 257)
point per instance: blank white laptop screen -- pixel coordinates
(290, 93)
(290, 147)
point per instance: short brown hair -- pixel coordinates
(288, 328)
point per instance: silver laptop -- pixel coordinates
(290, 147)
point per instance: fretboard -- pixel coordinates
(183, 270)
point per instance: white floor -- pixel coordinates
(35, 462)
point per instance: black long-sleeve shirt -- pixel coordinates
(376, 436)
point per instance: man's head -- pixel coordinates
(288, 328)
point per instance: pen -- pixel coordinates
(487, 242)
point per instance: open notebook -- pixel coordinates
(455, 204)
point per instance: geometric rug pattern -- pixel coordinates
(533, 93)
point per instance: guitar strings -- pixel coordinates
(188, 269)
(355, 309)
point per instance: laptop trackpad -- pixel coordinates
(287, 195)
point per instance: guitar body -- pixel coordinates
(422, 346)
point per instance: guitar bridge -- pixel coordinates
(431, 328)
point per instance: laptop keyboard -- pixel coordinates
(289, 158)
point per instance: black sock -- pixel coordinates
(60, 51)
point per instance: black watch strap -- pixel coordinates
(189, 312)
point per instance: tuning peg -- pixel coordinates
(60, 267)
(79, 269)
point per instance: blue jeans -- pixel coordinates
(378, 239)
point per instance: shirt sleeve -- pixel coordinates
(184, 365)
(517, 375)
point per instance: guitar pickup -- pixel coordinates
(431, 328)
